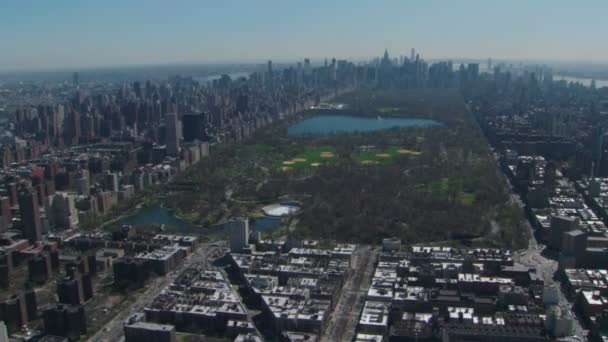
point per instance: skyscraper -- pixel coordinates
(73, 133)
(239, 234)
(192, 127)
(269, 74)
(172, 134)
(30, 214)
(307, 70)
(597, 148)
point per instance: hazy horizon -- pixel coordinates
(68, 34)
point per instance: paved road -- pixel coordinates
(532, 257)
(345, 317)
(113, 330)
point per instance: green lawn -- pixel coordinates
(467, 198)
(263, 148)
(312, 157)
(442, 187)
(382, 157)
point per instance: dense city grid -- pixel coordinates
(521, 202)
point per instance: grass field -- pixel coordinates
(263, 148)
(467, 198)
(443, 187)
(381, 157)
(312, 157)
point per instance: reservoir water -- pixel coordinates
(329, 124)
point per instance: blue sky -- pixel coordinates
(81, 33)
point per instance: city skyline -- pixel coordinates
(303, 171)
(69, 34)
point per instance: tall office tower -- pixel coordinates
(550, 181)
(597, 148)
(269, 74)
(73, 133)
(412, 55)
(473, 69)
(242, 103)
(334, 69)
(5, 213)
(111, 181)
(76, 79)
(307, 70)
(60, 119)
(30, 214)
(489, 63)
(137, 90)
(559, 226)
(172, 134)
(192, 127)
(299, 68)
(239, 233)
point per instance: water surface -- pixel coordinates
(157, 215)
(329, 124)
(581, 80)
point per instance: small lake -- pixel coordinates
(265, 224)
(329, 124)
(157, 215)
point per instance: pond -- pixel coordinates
(157, 215)
(265, 224)
(329, 124)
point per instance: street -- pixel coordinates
(345, 317)
(113, 330)
(533, 257)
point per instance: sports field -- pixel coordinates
(312, 157)
(380, 157)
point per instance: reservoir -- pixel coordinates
(329, 124)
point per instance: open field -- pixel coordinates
(383, 156)
(312, 157)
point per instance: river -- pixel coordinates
(582, 80)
